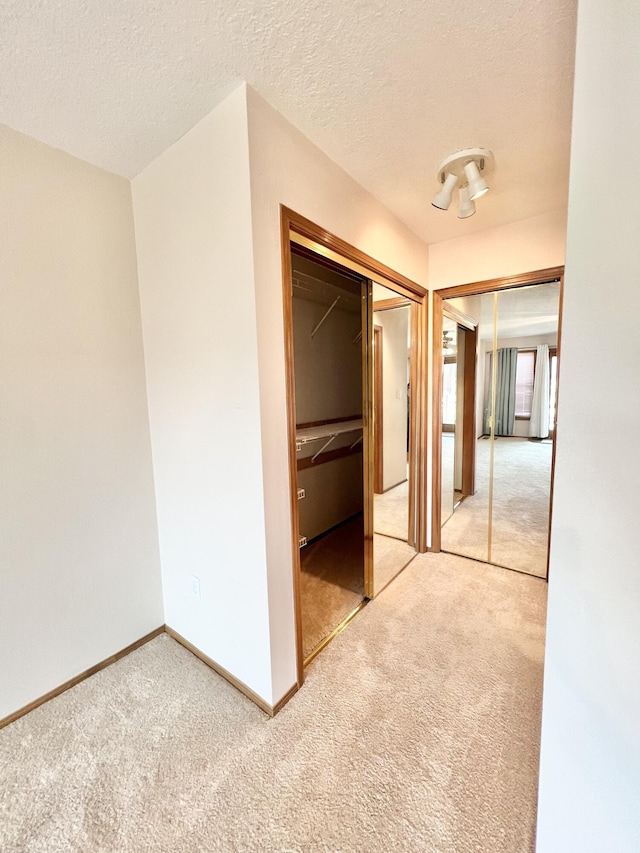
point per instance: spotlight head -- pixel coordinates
(477, 184)
(442, 199)
(466, 207)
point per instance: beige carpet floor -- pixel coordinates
(390, 556)
(391, 512)
(331, 581)
(416, 730)
(522, 481)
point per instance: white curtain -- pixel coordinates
(539, 423)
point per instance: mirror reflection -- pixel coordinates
(500, 361)
(526, 365)
(394, 502)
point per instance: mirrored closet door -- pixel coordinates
(498, 394)
(394, 427)
(355, 368)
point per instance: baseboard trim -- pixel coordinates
(288, 695)
(235, 682)
(80, 677)
(270, 710)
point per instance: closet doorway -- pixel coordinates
(340, 409)
(496, 353)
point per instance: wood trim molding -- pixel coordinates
(378, 420)
(436, 426)
(307, 237)
(271, 711)
(287, 307)
(460, 318)
(388, 304)
(306, 228)
(555, 430)
(469, 412)
(67, 685)
(235, 682)
(282, 702)
(507, 283)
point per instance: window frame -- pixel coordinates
(553, 351)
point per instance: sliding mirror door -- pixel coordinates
(502, 517)
(394, 517)
(527, 341)
(449, 415)
(465, 457)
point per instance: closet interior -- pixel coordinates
(329, 312)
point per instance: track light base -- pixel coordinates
(454, 164)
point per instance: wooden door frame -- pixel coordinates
(469, 414)
(378, 446)
(469, 367)
(336, 251)
(477, 288)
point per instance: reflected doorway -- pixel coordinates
(394, 419)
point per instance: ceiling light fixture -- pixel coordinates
(466, 169)
(442, 199)
(466, 207)
(477, 184)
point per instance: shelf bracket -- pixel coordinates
(330, 309)
(357, 441)
(324, 447)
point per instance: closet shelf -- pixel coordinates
(326, 432)
(316, 433)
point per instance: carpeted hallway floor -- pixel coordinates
(417, 730)
(391, 512)
(521, 489)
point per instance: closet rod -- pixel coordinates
(330, 309)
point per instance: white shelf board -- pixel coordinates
(314, 433)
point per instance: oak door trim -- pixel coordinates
(469, 412)
(314, 238)
(378, 446)
(393, 302)
(436, 425)
(544, 276)
(287, 306)
(369, 267)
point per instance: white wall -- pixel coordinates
(286, 168)
(80, 575)
(192, 210)
(522, 246)
(590, 763)
(395, 355)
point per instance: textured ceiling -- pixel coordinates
(387, 88)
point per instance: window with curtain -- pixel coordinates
(525, 373)
(449, 387)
